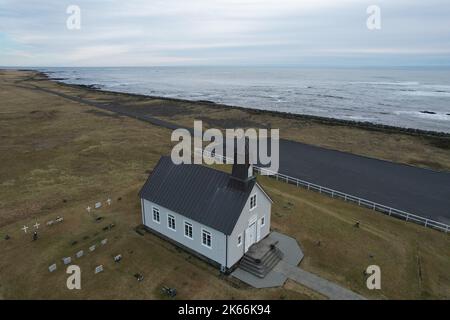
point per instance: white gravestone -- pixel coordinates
(98, 205)
(52, 267)
(80, 254)
(67, 260)
(59, 219)
(99, 269)
(92, 248)
(118, 258)
(104, 241)
(50, 223)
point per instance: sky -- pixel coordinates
(224, 32)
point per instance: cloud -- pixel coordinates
(144, 32)
(97, 52)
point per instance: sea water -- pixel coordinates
(404, 97)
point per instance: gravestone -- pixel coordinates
(52, 267)
(50, 223)
(80, 254)
(67, 260)
(98, 205)
(118, 258)
(92, 248)
(104, 241)
(59, 219)
(99, 269)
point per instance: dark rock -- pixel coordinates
(74, 242)
(7, 237)
(206, 101)
(109, 227)
(428, 112)
(139, 277)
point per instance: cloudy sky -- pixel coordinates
(224, 32)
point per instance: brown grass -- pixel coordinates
(59, 156)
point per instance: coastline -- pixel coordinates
(413, 148)
(287, 115)
(63, 154)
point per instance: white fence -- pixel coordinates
(344, 196)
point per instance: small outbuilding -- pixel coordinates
(213, 214)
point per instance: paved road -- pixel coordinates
(415, 190)
(318, 284)
(419, 191)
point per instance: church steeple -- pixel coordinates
(241, 173)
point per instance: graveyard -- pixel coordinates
(71, 173)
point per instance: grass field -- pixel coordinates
(59, 156)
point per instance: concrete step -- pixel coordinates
(261, 267)
(264, 258)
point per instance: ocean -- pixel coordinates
(404, 97)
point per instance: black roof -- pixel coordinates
(197, 192)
